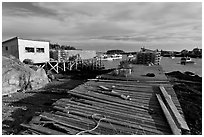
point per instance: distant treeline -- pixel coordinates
(117, 51)
(195, 53)
(61, 47)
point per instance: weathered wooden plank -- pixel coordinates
(64, 121)
(94, 104)
(131, 118)
(124, 84)
(103, 125)
(118, 93)
(129, 83)
(182, 123)
(88, 89)
(122, 89)
(85, 123)
(106, 99)
(69, 131)
(136, 100)
(130, 127)
(119, 108)
(42, 129)
(172, 124)
(98, 103)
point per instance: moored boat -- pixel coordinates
(111, 57)
(130, 56)
(116, 56)
(185, 60)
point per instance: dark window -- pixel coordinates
(6, 48)
(40, 50)
(29, 49)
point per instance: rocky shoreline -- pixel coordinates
(188, 88)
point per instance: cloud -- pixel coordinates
(134, 22)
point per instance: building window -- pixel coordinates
(29, 49)
(6, 48)
(40, 50)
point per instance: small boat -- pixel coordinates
(185, 60)
(111, 57)
(130, 56)
(116, 56)
(105, 57)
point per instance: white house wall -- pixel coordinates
(36, 57)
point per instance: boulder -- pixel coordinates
(38, 79)
(17, 76)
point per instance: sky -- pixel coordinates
(103, 26)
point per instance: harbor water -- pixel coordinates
(168, 65)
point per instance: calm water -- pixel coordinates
(168, 65)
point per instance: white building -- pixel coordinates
(36, 50)
(64, 55)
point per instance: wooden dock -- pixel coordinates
(78, 64)
(116, 105)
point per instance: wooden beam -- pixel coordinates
(68, 122)
(42, 129)
(53, 67)
(108, 100)
(113, 114)
(172, 124)
(64, 67)
(180, 120)
(125, 126)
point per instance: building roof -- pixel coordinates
(13, 38)
(10, 39)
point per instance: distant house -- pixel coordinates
(36, 50)
(146, 56)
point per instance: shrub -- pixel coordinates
(28, 61)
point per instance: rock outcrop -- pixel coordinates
(17, 76)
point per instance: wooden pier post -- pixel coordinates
(55, 67)
(70, 67)
(76, 61)
(64, 67)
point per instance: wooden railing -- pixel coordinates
(78, 64)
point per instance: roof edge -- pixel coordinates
(23, 39)
(10, 39)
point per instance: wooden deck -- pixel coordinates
(112, 105)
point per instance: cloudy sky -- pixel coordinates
(104, 26)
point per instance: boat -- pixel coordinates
(116, 56)
(130, 56)
(105, 57)
(111, 57)
(185, 60)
